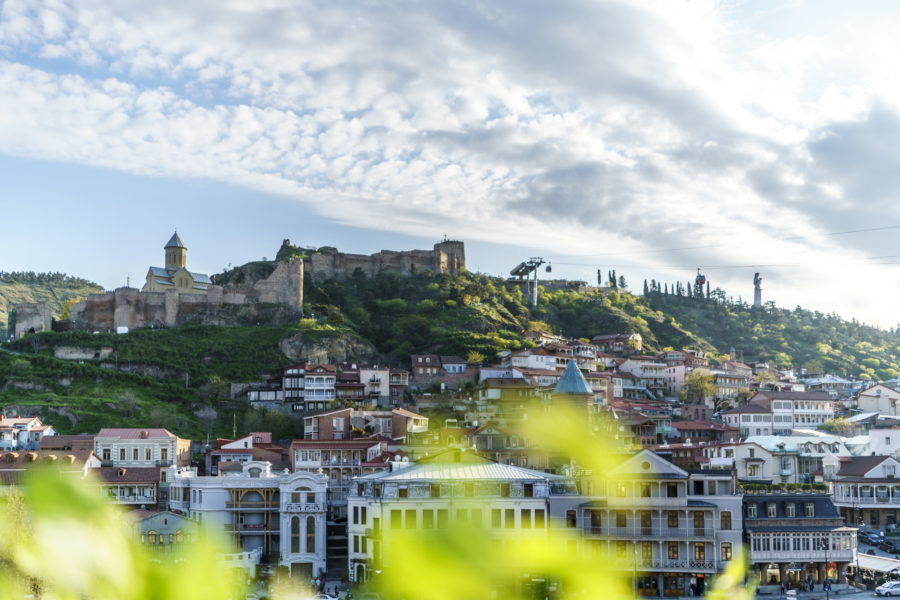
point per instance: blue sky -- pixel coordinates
(650, 137)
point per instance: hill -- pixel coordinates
(180, 377)
(53, 289)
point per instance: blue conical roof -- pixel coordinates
(175, 242)
(572, 382)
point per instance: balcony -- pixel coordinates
(304, 507)
(653, 531)
(801, 555)
(134, 499)
(253, 505)
(672, 565)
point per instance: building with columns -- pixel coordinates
(794, 537)
(280, 516)
(865, 489)
(679, 527)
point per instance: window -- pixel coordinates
(134, 454)
(751, 453)
(435, 490)
(672, 490)
(699, 551)
(726, 551)
(620, 490)
(355, 515)
(672, 518)
(337, 424)
(751, 511)
(395, 519)
(525, 518)
(673, 550)
(621, 549)
(310, 535)
(810, 511)
(179, 536)
(725, 520)
(410, 518)
(645, 490)
(510, 518)
(620, 518)
(504, 490)
(529, 490)
(443, 518)
(790, 509)
(147, 453)
(571, 518)
(495, 518)
(770, 509)
(121, 453)
(427, 519)
(164, 454)
(539, 518)
(404, 492)
(356, 543)
(152, 536)
(106, 455)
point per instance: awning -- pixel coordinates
(879, 564)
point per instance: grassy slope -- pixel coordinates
(52, 289)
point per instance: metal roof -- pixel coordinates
(175, 242)
(461, 471)
(572, 382)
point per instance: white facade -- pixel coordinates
(512, 502)
(281, 515)
(880, 399)
(23, 433)
(140, 448)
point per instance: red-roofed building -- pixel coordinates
(704, 431)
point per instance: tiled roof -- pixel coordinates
(63, 442)
(407, 413)
(854, 466)
(129, 474)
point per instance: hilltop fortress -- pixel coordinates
(173, 295)
(448, 256)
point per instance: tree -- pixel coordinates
(622, 283)
(474, 358)
(646, 288)
(699, 386)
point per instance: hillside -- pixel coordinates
(53, 289)
(796, 337)
(180, 377)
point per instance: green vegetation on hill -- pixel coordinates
(797, 337)
(180, 377)
(54, 289)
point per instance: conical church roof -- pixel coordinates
(175, 242)
(572, 382)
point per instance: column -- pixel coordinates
(842, 567)
(821, 569)
(782, 573)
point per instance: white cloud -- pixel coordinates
(577, 127)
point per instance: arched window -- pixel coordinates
(179, 536)
(152, 535)
(311, 535)
(295, 534)
(143, 538)
(188, 538)
(171, 537)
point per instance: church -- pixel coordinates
(175, 276)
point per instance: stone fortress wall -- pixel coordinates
(447, 257)
(129, 307)
(132, 308)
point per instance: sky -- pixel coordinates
(649, 137)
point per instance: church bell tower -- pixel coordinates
(176, 253)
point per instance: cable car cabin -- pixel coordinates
(700, 280)
(549, 269)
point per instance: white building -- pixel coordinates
(677, 528)
(512, 502)
(791, 458)
(750, 419)
(796, 410)
(879, 398)
(141, 448)
(23, 433)
(533, 358)
(279, 515)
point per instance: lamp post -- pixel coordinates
(825, 542)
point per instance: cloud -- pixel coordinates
(593, 127)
